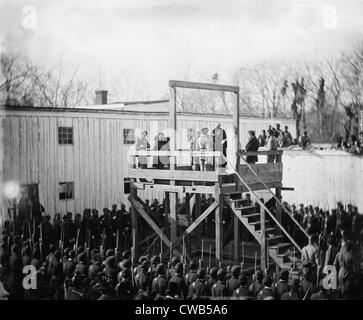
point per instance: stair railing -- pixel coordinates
(273, 195)
(263, 205)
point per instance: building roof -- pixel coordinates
(152, 107)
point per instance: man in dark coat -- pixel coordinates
(219, 289)
(266, 293)
(257, 285)
(242, 290)
(233, 283)
(198, 289)
(192, 274)
(282, 285)
(124, 289)
(252, 145)
(159, 284)
(177, 287)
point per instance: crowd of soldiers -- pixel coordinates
(90, 258)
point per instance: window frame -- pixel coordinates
(67, 191)
(65, 135)
(126, 134)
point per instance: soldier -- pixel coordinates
(242, 291)
(155, 260)
(212, 279)
(282, 285)
(143, 282)
(159, 283)
(266, 293)
(171, 271)
(68, 268)
(105, 287)
(192, 274)
(198, 289)
(293, 293)
(176, 286)
(219, 289)
(124, 289)
(233, 283)
(257, 285)
(75, 291)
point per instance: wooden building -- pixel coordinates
(74, 159)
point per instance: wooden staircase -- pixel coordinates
(279, 248)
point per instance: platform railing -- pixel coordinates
(162, 159)
(265, 208)
(276, 153)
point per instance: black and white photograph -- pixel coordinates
(196, 154)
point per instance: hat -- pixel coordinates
(155, 260)
(242, 280)
(235, 269)
(142, 259)
(204, 129)
(259, 275)
(193, 265)
(126, 254)
(175, 260)
(125, 264)
(213, 272)
(145, 265)
(284, 274)
(221, 274)
(160, 268)
(201, 273)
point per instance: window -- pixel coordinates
(129, 136)
(66, 190)
(65, 135)
(127, 185)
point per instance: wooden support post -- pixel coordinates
(167, 210)
(188, 213)
(134, 224)
(278, 206)
(263, 238)
(236, 238)
(173, 216)
(236, 136)
(219, 227)
(198, 209)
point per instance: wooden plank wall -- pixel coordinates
(323, 178)
(97, 160)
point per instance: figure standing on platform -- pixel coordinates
(143, 144)
(271, 145)
(219, 140)
(252, 145)
(203, 145)
(304, 141)
(194, 147)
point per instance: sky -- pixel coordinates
(144, 43)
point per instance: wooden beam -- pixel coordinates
(203, 86)
(182, 175)
(278, 207)
(195, 223)
(219, 228)
(173, 215)
(263, 238)
(236, 137)
(236, 238)
(148, 219)
(179, 189)
(134, 224)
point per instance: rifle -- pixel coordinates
(41, 242)
(76, 244)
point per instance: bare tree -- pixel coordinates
(25, 83)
